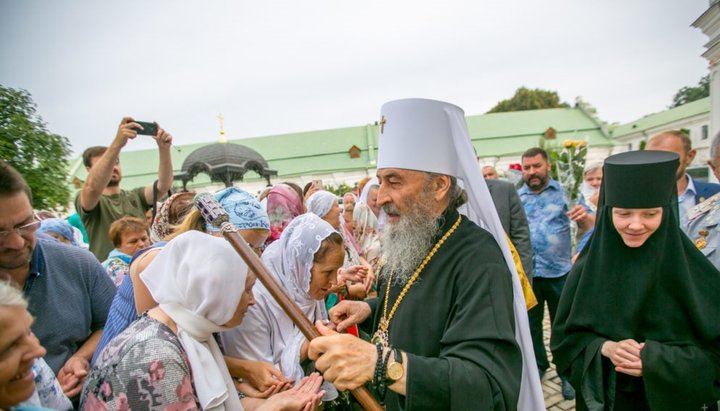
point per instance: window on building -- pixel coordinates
(704, 132)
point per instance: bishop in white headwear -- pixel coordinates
(450, 323)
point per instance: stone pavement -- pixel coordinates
(551, 382)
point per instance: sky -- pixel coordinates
(273, 67)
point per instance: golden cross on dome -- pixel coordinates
(382, 124)
(222, 128)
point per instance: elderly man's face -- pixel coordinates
(399, 190)
(490, 173)
(16, 249)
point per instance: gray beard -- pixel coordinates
(407, 242)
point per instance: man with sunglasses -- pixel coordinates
(68, 291)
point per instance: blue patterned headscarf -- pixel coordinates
(244, 210)
(58, 226)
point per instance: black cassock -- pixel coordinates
(456, 325)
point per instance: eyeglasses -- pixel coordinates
(23, 230)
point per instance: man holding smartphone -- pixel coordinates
(101, 200)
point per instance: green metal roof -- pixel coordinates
(326, 151)
(662, 118)
(504, 134)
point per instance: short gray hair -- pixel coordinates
(11, 296)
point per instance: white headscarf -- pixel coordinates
(438, 133)
(373, 182)
(289, 260)
(198, 281)
(320, 203)
(365, 227)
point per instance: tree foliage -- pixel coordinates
(689, 94)
(529, 99)
(339, 190)
(39, 155)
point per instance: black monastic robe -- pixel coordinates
(663, 293)
(456, 325)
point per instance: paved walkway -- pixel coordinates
(551, 382)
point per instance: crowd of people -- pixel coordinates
(427, 284)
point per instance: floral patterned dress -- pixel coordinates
(143, 368)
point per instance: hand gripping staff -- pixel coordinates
(218, 218)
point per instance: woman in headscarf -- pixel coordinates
(637, 324)
(366, 235)
(356, 276)
(368, 196)
(348, 207)
(59, 229)
(283, 204)
(133, 298)
(245, 213)
(304, 261)
(202, 287)
(171, 212)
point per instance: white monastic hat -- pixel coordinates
(432, 136)
(416, 134)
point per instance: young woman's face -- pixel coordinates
(636, 225)
(18, 350)
(324, 272)
(246, 301)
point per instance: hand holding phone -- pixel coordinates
(148, 129)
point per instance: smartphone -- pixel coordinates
(318, 184)
(148, 129)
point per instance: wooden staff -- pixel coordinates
(213, 213)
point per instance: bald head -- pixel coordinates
(490, 173)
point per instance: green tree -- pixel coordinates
(689, 94)
(338, 190)
(529, 99)
(39, 155)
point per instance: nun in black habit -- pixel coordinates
(638, 323)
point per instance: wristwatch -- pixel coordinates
(395, 370)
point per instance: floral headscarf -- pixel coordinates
(243, 208)
(283, 204)
(162, 224)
